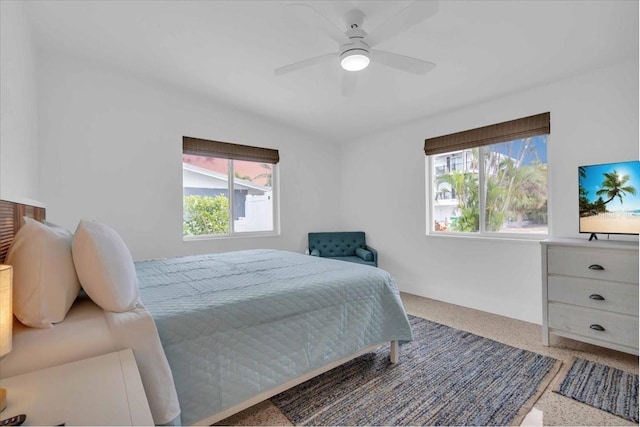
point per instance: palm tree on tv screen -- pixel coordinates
(614, 186)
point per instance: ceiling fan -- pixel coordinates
(355, 46)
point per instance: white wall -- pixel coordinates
(111, 150)
(594, 119)
(18, 105)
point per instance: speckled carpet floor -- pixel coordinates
(603, 387)
(446, 377)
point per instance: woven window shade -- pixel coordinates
(526, 127)
(226, 150)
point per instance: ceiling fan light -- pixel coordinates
(355, 60)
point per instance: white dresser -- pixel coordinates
(590, 292)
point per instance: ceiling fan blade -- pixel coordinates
(402, 62)
(416, 12)
(305, 63)
(349, 82)
(312, 17)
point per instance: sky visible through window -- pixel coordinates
(537, 150)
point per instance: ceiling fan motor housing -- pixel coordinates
(356, 48)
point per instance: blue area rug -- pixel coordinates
(445, 377)
(602, 387)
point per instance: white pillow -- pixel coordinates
(105, 267)
(45, 283)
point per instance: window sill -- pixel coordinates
(230, 236)
(503, 238)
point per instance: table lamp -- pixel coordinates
(6, 319)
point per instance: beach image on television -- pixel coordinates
(609, 198)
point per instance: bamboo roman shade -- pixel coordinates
(526, 127)
(226, 150)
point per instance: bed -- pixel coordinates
(217, 333)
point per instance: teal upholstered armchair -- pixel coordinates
(343, 245)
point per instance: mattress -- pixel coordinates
(89, 331)
(235, 324)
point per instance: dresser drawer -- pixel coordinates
(619, 266)
(611, 296)
(618, 328)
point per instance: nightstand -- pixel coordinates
(101, 390)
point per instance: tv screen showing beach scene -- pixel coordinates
(609, 198)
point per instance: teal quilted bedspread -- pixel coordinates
(236, 324)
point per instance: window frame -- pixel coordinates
(485, 136)
(271, 157)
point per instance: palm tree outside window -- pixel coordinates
(497, 188)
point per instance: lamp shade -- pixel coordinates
(6, 310)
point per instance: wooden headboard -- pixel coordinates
(11, 214)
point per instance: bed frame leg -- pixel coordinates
(395, 352)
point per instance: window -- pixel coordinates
(491, 180)
(228, 189)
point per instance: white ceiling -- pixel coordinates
(229, 49)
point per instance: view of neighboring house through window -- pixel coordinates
(223, 195)
(493, 188)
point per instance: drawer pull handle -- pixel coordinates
(596, 267)
(596, 297)
(597, 328)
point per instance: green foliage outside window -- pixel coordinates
(205, 215)
(465, 187)
(515, 192)
(512, 191)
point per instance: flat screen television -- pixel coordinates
(609, 198)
